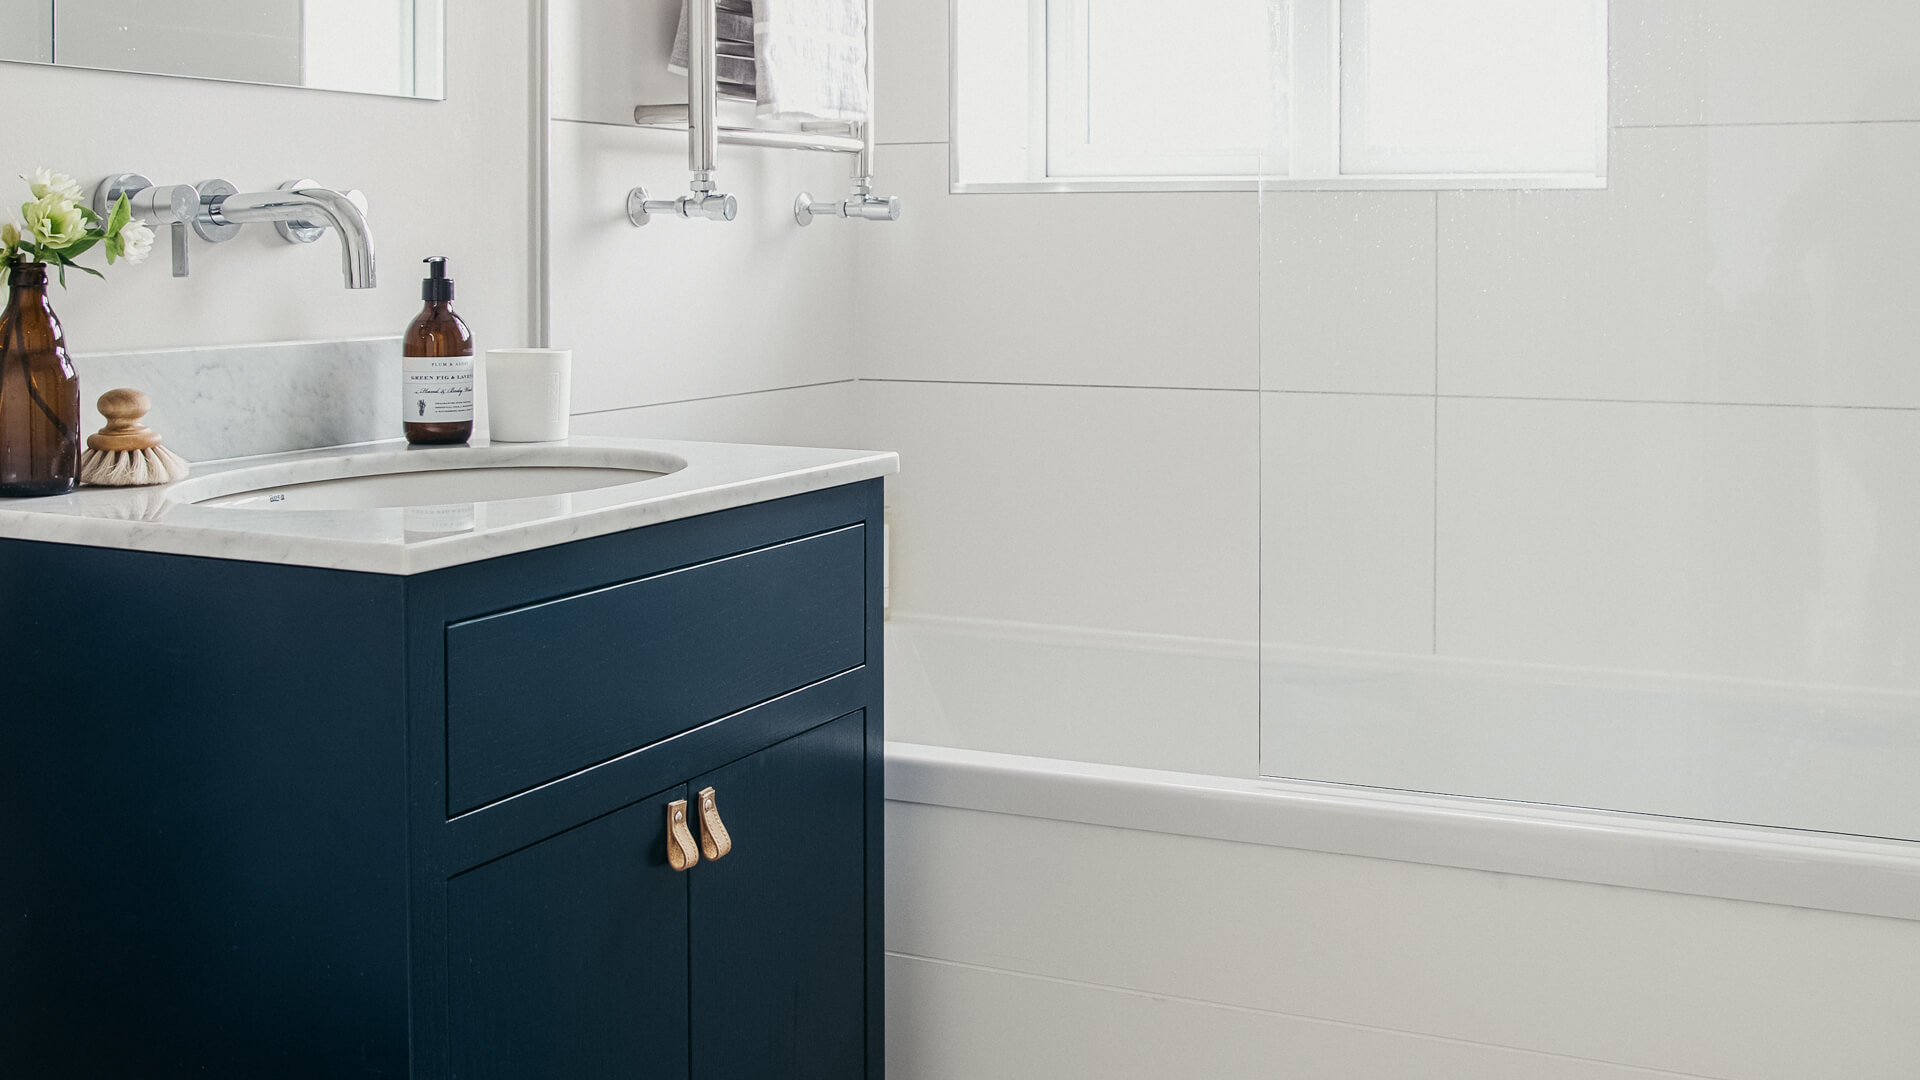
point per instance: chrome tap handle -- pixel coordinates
(179, 240)
(861, 206)
(166, 206)
(711, 205)
(874, 208)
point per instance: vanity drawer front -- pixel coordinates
(541, 692)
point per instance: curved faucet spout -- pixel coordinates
(311, 208)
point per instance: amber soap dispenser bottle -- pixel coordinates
(437, 366)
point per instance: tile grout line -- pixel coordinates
(1816, 406)
(717, 397)
(1070, 385)
(1597, 401)
(1433, 585)
(1260, 481)
(1686, 124)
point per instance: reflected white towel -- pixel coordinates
(810, 57)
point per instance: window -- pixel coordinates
(1092, 94)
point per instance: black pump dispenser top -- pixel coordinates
(437, 285)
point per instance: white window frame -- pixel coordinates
(1312, 159)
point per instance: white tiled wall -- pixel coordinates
(1764, 61)
(1665, 427)
(1777, 544)
(1073, 505)
(1347, 291)
(1673, 437)
(1081, 289)
(1765, 263)
(739, 330)
(1346, 505)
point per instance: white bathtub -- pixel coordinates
(1054, 918)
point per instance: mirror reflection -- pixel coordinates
(393, 47)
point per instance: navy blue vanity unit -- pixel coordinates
(274, 821)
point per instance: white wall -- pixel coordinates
(1667, 425)
(688, 327)
(1072, 383)
(1654, 432)
(1657, 439)
(442, 178)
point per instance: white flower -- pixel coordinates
(55, 222)
(44, 183)
(136, 240)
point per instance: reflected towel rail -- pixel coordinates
(699, 117)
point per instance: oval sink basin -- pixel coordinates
(424, 477)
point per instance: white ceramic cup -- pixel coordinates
(529, 394)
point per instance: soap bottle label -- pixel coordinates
(437, 389)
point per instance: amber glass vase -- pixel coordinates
(39, 392)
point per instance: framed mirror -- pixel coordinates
(391, 47)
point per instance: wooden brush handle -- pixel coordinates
(124, 431)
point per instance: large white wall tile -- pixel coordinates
(1764, 61)
(1111, 508)
(686, 309)
(1746, 751)
(910, 72)
(958, 1022)
(1108, 289)
(1347, 291)
(1748, 264)
(801, 416)
(1120, 699)
(1346, 522)
(441, 177)
(1654, 980)
(1776, 544)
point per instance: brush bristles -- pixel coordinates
(132, 468)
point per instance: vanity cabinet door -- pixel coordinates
(569, 958)
(778, 923)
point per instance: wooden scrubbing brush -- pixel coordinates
(127, 453)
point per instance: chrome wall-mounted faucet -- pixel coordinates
(300, 210)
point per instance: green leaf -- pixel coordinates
(122, 213)
(88, 270)
(90, 217)
(81, 247)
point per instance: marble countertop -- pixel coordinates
(416, 539)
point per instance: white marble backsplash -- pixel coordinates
(239, 400)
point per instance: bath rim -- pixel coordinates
(1760, 864)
